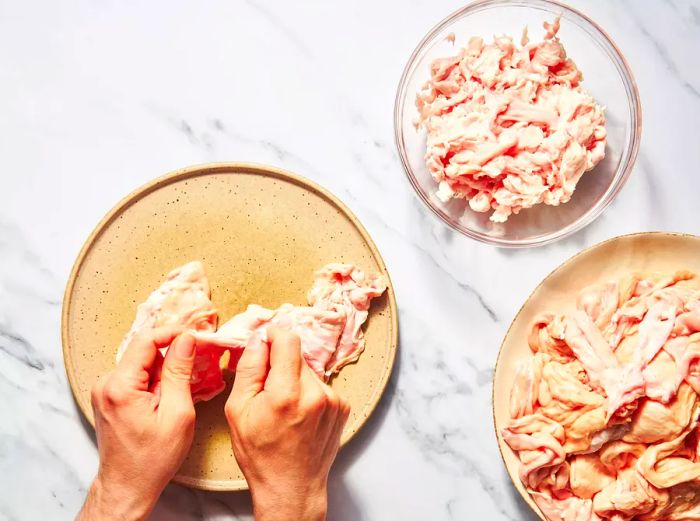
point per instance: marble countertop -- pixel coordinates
(98, 97)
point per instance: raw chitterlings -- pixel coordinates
(509, 127)
(329, 328)
(604, 416)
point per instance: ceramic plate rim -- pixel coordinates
(212, 168)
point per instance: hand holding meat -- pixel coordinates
(285, 428)
(144, 419)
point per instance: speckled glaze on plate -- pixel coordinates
(261, 233)
(641, 252)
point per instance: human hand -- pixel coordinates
(285, 429)
(144, 423)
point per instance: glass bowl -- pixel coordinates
(606, 76)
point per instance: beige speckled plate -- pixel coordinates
(261, 233)
(653, 252)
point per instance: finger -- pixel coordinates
(285, 359)
(176, 375)
(155, 374)
(251, 370)
(140, 354)
(332, 407)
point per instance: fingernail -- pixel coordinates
(184, 346)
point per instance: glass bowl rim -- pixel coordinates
(622, 173)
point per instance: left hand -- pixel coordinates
(144, 431)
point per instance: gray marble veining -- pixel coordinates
(99, 97)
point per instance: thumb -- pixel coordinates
(177, 373)
(252, 369)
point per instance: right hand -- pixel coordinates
(285, 428)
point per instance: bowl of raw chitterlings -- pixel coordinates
(517, 123)
(597, 385)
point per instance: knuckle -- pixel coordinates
(233, 410)
(316, 403)
(285, 403)
(333, 400)
(284, 337)
(114, 393)
(186, 415)
(246, 369)
(96, 392)
(177, 373)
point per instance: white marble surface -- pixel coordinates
(97, 97)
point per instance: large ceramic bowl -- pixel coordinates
(651, 252)
(607, 77)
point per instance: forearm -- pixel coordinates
(105, 503)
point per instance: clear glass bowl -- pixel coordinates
(606, 76)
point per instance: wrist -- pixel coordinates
(108, 501)
(295, 503)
